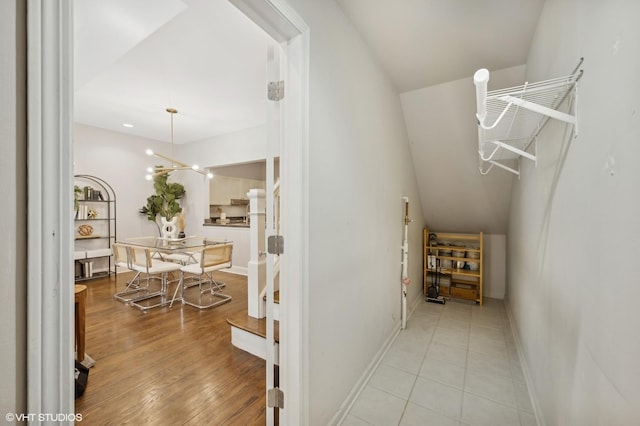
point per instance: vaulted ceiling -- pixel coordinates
(134, 58)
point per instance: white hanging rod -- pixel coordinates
(498, 145)
(495, 163)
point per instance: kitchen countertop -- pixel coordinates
(228, 225)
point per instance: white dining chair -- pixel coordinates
(122, 259)
(143, 262)
(212, 258)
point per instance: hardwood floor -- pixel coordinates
(170, 366)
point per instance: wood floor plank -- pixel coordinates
(170, 366)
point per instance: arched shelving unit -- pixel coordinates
(95, 227)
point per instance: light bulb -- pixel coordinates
(148, 177)
(149, 152)
(195, 167)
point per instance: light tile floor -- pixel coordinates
(455, 364)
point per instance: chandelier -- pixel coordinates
(175, 164)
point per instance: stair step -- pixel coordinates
(254, 326)
(250, 334)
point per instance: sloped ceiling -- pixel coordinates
(441, 127)
(430, 50)
(422, 43)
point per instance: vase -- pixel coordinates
(169, 228)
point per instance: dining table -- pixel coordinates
(178, 250)
(172, 245)
(173, 249)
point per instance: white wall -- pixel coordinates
(359, 169)
(572, 243)
(13, 250)
(494, 265)
(120, 160)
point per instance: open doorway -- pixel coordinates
(57, 316)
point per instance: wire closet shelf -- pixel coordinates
(509, 120)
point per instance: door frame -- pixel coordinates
(50, 300)
(50, 226)
(286, 27)
(294, 266)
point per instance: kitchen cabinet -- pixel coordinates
(222, 189)
(454, 260)
(249, 184)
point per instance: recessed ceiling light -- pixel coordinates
(127, 125)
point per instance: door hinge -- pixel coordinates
(275, 398)
(275, 244)
(275, 90)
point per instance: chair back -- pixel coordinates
(217, 254)
(140, 256)
(121, 254)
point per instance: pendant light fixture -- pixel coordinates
(175, 164)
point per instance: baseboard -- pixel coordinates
(537, 410)
(344, 409)
(357, 389)
(413, 304)
(238, 270)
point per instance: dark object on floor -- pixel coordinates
(433, 291)
(81, 375)
(438, 299)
